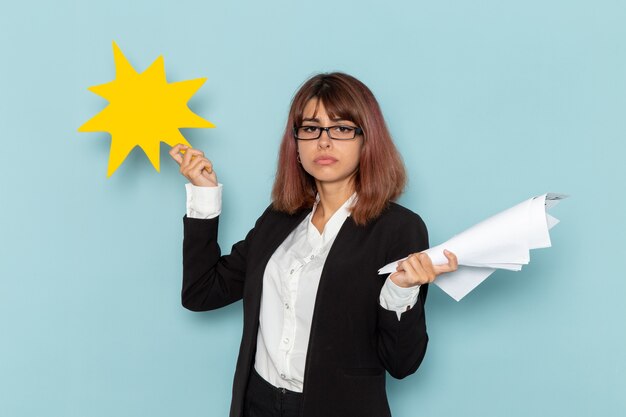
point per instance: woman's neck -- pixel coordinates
(331, 197)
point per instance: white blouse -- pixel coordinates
(290, 284)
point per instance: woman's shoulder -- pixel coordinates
(272, 217)
(397, 222)
(396, 213)
(404, 228)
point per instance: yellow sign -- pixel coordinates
(144, 110)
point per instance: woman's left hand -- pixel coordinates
(418, 269)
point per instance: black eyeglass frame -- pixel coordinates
(356, 130)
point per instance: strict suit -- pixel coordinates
(353, 339)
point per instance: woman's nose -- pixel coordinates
(324, 140)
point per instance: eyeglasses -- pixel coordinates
(334, 132)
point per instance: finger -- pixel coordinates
(441, 269)
(427, 265)
(395, 274)
(188, 165)
(452, 260)
(451, 266)
(190, 154)
(175, 152)
(416, 262)
(207, 165)
(198, 160)
(399, 266)
(415, 270)
(207, 174)
(428, 273)
(198, 165)
(406, 269)
(195, 175)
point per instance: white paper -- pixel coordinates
(502, 241)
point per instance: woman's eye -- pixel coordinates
(343, 129)
(309, 129)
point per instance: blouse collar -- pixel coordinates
(331, 229)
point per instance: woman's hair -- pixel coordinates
(380, 177)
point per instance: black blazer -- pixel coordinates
(353, 339)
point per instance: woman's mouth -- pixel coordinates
(325, 160)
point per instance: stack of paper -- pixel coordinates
(499, 242)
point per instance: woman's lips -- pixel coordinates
(325, 160)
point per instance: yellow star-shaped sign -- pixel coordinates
(144, 110)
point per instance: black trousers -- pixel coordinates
(265, 400)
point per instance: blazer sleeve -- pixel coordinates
(211, 280)
(402, 343)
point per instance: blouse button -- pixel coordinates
(282, 376)
(291, 272)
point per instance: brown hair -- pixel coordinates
(380, 177)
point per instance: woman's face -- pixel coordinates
(329, 161)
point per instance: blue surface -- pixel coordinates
(490, 103)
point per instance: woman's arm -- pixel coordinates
(210, 280)
(402, 343)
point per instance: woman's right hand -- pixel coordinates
(194, 166)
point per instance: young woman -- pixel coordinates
(321, 327)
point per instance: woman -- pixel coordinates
(320, 325)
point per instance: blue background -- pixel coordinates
(489, 102)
